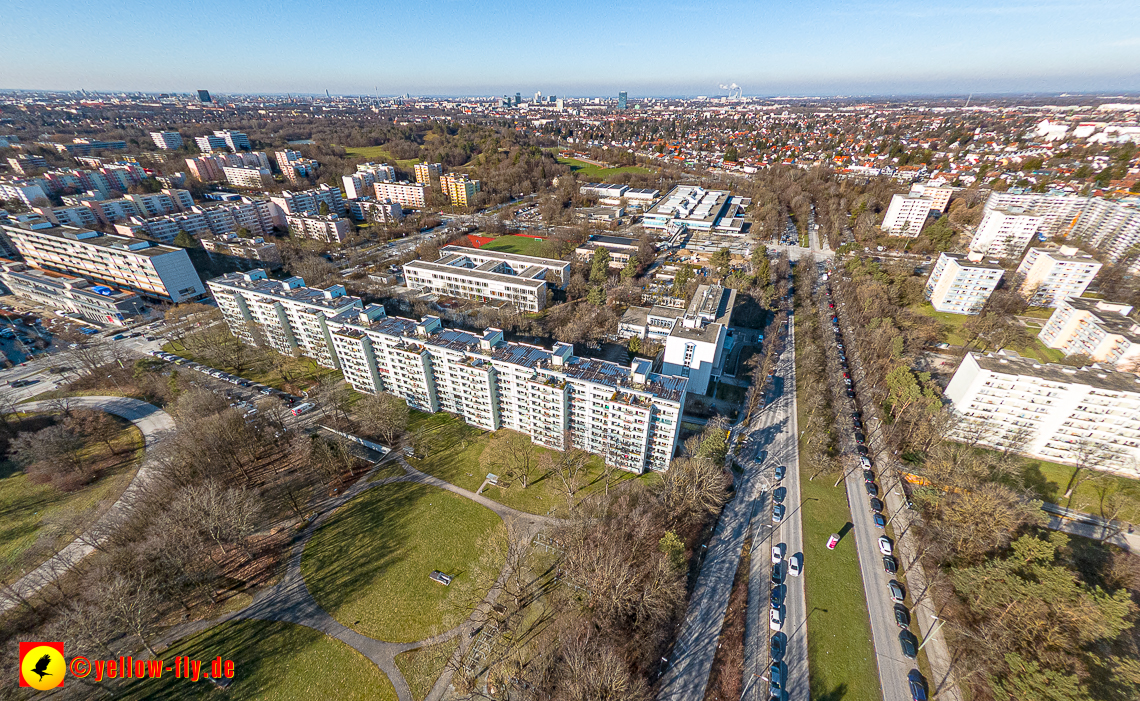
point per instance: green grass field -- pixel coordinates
(29, 509)
(841, 656)
(1048, 480)
(594, 172)
(454, 454)
(272, 660)
(422, 666)
(521, 245)
(373, 152)
(952, 323)
(369, 564)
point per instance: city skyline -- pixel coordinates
(873, 48)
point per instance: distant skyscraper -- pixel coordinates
(327, 93)
(204, 96)
(518, 99)
(622, 99)
(551, 99)
(538, 96)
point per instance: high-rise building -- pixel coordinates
(224, 138)
(623, 99)
(906, 215)
(360, 183)
(407, 194)
(309, 201)
(1051, 276)
(1005, 232)
(329, 228)
(1113, 228)
(460, 190)
(204, 96)
(243, 253)
(53, 290)
(961, 284)
(939, 195)
(1101, 330)
(166, 140)
(247, 176)
(1048, 411)
(426, 171)
(1057, 212)
(518, 99)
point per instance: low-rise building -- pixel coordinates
(599, 215)
(699, 210)
(328, 228)
(1053, 412)
(962, 284)
(906, 215)
(242, 253)
(619, 247)
(616, 194)
(97, 303)
(1051, 276)
(488, 276)
(1101, 330)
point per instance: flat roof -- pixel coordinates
(504, 256)
(280, 289)
(1010, 363)
(125, 244)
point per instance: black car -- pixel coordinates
(850, 394)
(861, 449)
(869, 476)
(777, 574)
(880, 522)
(780, 494)
(902, 617)
(777, 596)
(917, 685)
(890, 564)
(872, 489)
(897, 593)
(909, 644)
(876, 505)
(777, 646)
(859, 437)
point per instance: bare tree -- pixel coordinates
(384, 415)
(1089, 454)
(131, 603)
(513, 454)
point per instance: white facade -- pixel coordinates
(309, 201)
(367, 209)
(1113, 228)
(166, 140)
(1101, 330)
(329, 228)
(1051, 276)
(939, 195)
(233, 140)
(407, 194)
(1052, 412)
(961, 285)
(1005, 232)
(24, 191)
(906, 215)
(1057, 212)
(150, 270)
(244, 176)
(694, 348)
(488, 276)
(360, 183)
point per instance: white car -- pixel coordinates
(886, 547)
(778, 553)
(866, 462)
(796, 564)
(775, 620)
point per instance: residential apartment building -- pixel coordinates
(1057, 212)
(488, 276)
(166, 140)
(25, 162)
(1101, 330)
(310, 201)
(1051, 276)
(426, 171)
(366, 209)
(294, 166)
(245, 176)
(242, 253)
(407, 194)
(961, 284)
(257, 216)
(153, 271)
(1005, 232)
(22, 190)
(91, 211)
(328, 228)
(460, 189)
(85, 147)
(283, 314)
(628, 415)
(1113, 228)
(906, 215)
(226, 138)
(1053, 412)
(97, 303)
(939, 195)
(204, 169)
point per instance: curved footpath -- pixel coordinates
(155, 425)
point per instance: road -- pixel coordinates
(772, 441)
(893, 665)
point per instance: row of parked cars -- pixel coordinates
(297, 409)
(795, 566)
(907, 640)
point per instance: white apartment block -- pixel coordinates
(283, 314)
(329, 228)
(1051, 276)
(367, 209)
(245, 253)
(407, 194)
(309, 201)
(1049, 411)
(166, 140)
(233, 140)
(906, 215)
(1057, 212)
(939, 195)
(113, 211)
(488, 276)
(150, 270)
(22, 190)
(628, 415)
(245, 176)
(1113, 228)
(962, 284)
(1101, 330)
(1005, 232)
(58, 291)
(258, 216)
(360, 183)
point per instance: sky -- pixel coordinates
(573, 48)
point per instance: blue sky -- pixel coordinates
(450, 47)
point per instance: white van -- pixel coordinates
(302, 408)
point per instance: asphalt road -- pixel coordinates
(772, 441)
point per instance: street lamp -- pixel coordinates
(749, 684)
(937, 627)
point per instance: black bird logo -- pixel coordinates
(41, 667)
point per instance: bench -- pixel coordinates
(440, 577)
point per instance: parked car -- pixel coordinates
(777, 513)
(777, 574)
(880, 522)
(302, 408)
(890, 565)
(876, 505)
(872, 489)
(775, 619)
(865, 462)
(781, 470)
(868, 476)
(886, 547)
(778, 553)
(775, 679)
(909, 644)
(897, 593)
(777, 596)
(777, 646)
(902, 616)
(917, 685)
(796, 564)
(780, 494)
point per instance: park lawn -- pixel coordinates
(272, 660)
(371, 152)
(303, 371)
(520, 245)
(369, 564)
(952, 323)
(28, 508)
(841, 656)
(423, 665)
(454, 454)
(597, 172)
(1048, 480)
